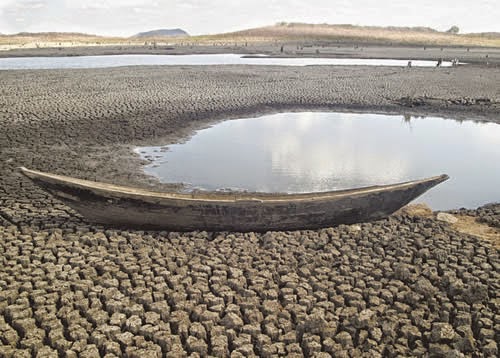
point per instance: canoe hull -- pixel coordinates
(257, 212)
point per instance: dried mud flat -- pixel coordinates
(408, 285)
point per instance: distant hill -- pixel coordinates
(163, 33)
(346, 33)
(304, 30)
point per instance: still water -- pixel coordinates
(317, 151)
(17, 63)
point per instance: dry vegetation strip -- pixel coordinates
(63, 39)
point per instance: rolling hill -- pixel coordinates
(162, 33)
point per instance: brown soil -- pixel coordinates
(469, 225)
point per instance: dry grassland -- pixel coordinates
(365, 34)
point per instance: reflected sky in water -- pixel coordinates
(17, 63)
(314, 151)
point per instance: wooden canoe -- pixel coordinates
(121, 206)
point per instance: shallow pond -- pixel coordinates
(315, 151)
(215, 59)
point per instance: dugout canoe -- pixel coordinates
(122, 206)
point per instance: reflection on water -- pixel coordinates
(303, 152)
(185, 60)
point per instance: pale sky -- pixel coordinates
(127, 17)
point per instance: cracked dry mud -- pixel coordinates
(405, 286)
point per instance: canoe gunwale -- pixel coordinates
(110, 190)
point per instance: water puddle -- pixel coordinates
(317, 151)
(185, 60)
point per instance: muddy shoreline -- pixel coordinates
(401, 286)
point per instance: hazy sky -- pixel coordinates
(127, 17)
